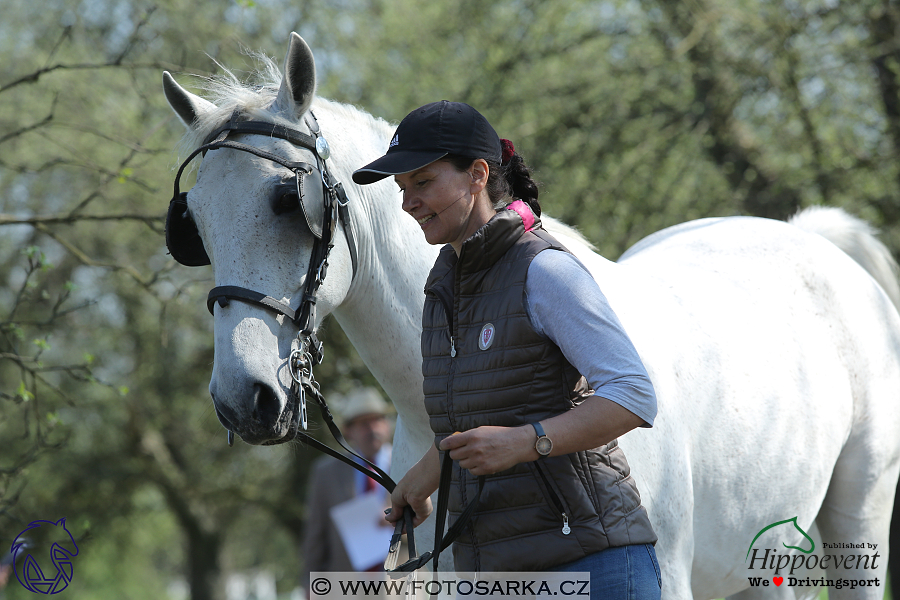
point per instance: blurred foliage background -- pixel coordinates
(636, 115)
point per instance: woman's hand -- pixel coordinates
(491, 449)
(488, 450)
(415, 489)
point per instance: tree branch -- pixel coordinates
(88, 261)
(153, 221)
(33, 126)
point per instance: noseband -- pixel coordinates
(322, 207)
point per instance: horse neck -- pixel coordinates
(382, 312)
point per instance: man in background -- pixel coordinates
(366, 426)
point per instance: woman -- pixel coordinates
(508, 332)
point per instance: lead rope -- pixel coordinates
(440, 543)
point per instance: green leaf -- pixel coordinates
(24, 393)
(124, 174)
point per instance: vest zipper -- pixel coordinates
(448, 311)
(566, 530)
(447, 304)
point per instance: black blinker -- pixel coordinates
(182, 238)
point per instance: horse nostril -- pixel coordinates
(227, 420)
(266, 406)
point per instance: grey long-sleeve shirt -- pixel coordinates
(587, 331)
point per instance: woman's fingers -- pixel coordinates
(487, 450)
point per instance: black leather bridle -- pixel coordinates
(322, 206)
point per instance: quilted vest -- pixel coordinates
(484, 364)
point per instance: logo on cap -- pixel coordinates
(487, 336)
(395, 141)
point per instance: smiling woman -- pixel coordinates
(512, 414)
(428, 197)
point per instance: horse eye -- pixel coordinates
(286, 203)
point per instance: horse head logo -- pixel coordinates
(42, 538)
(796, 527)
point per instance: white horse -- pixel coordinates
(775, 357)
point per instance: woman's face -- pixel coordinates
(446, 202)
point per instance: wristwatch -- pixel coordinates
(543, 444)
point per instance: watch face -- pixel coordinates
(543, 446)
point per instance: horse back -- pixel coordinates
(774, 357)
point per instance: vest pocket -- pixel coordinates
(554, 499)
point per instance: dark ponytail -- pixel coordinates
(519, 183)
(506, 182)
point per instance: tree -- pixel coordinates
(634, 115)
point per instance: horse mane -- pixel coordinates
(227, 92)
(255, 97)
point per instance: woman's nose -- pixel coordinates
(409, 201)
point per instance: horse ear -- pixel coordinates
(299, 84)
(186, 105)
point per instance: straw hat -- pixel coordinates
(361, 402)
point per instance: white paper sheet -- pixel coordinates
(361, 525)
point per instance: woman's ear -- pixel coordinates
(479, 172)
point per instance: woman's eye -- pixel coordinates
(418, 184)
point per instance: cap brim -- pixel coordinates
(394, 163)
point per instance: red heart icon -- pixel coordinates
(778, 580)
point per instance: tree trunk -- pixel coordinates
(718, 95)
(203, 562)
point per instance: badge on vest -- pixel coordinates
(487, 336)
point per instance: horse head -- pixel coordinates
(256, 215)
(40, 539)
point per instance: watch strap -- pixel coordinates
(543, 444)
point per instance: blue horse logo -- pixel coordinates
(38, 538)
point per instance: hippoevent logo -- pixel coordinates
(779, 563)
(42, 557)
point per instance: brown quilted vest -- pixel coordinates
(518, 378)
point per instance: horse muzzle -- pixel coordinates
(262, 418)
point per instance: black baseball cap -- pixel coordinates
(432, 132)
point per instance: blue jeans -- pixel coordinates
(621, 573)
